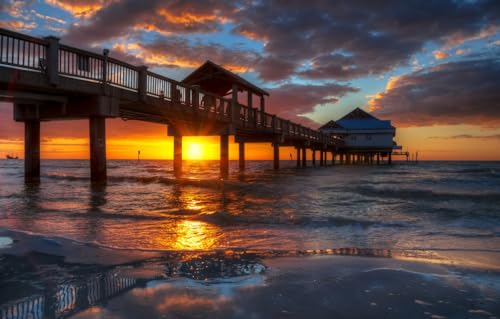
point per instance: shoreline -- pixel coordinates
(227, 283)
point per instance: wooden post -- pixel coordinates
(52, 60)
(105, 54)
(97, 130)
(348, 158)
(298, 155)
(304, 157)
(235, 109)
(142, 85)
(241, 155)
(177, 155)
(378, 158)
(321, 157)
(262, 111)
(276, 156)
(224, 155)
(249, 99)
(333, 157)
(31, 151)
(313, 157)
(389, 160)
(195, 101)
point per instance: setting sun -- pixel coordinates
(194, 152)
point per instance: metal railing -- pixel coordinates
(48, 56)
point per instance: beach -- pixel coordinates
(400, 241)
(59, 278)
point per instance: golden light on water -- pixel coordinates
(194, 235)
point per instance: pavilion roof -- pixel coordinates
(214, 78)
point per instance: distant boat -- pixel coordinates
(12, 157)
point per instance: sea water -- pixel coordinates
(429, 210)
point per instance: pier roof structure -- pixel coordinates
(358, 120)
(215, 79)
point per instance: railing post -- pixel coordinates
(188, 91)
(52, 59)
(196, 97)
(142, 85)
(263, 111)
(235, 109)
(105, 53)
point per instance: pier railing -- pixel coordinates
(48, 56)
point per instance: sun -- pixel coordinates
(194, 151)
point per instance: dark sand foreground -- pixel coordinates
(58, 278)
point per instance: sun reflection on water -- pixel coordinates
(194, 235)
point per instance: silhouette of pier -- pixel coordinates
(49, 81)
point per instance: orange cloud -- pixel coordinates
(184, 55)
(17, 25)
(80, 8)
(439, 55)
(188, 18)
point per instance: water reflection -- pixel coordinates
(194, 235)
(58, 289)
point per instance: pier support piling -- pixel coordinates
(298, 156)
(389, 159)
(177, 155)
(333, 158)
(241, 154)
(313, 157)
(378, 158)
(97, 130)
(276, 152)
(304, 157)
(31, 151)
(224, 155)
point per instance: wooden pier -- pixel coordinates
(49, 81)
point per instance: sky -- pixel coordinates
(432, 67)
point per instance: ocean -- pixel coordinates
(401, 241)
(425, 207)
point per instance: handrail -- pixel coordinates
(48, 56)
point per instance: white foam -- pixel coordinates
(5, 242)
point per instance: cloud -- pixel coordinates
(465, 92)
(345, 40)
(440, 55)
(17, 25)
(80, 8)
(123, 18)
(292, 101)
(468, 136)
(49, 19)
(175, 51)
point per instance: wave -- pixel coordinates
(223, 218)
(205, 183)
(415, 194)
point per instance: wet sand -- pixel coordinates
(54, 278)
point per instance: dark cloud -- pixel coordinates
(175, 51)
(466, 92)
(317, 39)
(290, 101)
(348, 39)
(122, 18)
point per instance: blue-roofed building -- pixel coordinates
(363, 135)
